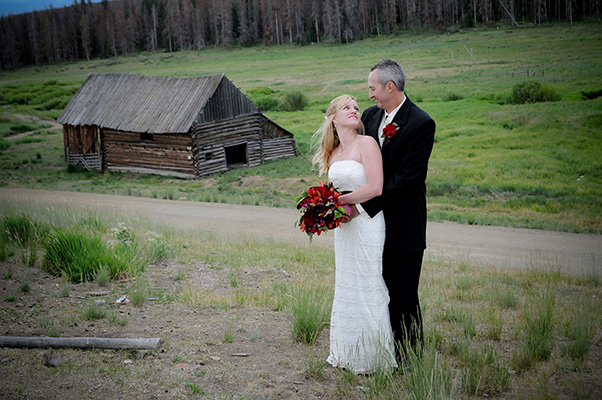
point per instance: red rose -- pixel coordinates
(389, 131)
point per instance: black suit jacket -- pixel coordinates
(405, 164)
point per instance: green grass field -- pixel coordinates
(533, 165)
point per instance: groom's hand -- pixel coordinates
(354, 213)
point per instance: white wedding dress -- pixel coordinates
(360, 329)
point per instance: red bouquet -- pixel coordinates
(321, 209)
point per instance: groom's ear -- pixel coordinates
(390, 86)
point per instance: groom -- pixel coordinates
(406, 134)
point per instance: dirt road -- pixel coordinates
(482, 245)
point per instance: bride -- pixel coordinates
(360, 329)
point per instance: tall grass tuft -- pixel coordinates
(426, 375)
(79, 256)
(93, 312)
(139, 292)
(581, 331)
(537, 328)
(315, 365)
(24, 232)
(103, 275)
(19, 229)
(311, 311)
(4, 250)
(158, 248)
(484, 371)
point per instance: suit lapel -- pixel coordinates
(401, 118)
(372, 129)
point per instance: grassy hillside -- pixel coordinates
(533, 165)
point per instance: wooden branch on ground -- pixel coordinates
(81, 342)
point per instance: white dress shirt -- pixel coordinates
(386, 120)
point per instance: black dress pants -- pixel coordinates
(401, 272)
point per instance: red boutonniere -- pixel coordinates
(389, 131)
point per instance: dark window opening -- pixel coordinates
(208, 156)
(236, 155)
(146, 137)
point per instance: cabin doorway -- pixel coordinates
(236, 155)
(82, 146)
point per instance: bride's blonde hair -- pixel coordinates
(327, 137)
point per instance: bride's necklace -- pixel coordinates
(341, 149)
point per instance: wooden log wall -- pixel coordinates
(273, 149)
(265, 141)
(271, 130)
(210, 140)
(81, 139)
(149, 153)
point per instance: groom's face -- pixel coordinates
(376, 90)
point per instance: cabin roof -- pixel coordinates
(139, 103)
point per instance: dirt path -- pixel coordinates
(483, 245)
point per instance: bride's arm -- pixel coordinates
(373, 166)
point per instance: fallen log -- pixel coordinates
(81, 342)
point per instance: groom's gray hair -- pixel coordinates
(390, 70)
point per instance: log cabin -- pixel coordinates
(182, 127)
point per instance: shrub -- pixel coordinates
(260, 91)
(591, 94)
(27, 140)
(21, 128)
(53, 104)
(264, 98)
(532, 92)
(18, 99)
(266, 103)
(295, 101)
(453, 97)
(4, 144)
(75, 169)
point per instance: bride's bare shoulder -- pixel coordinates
(366, 139)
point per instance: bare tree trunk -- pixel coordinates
(290, 21)
(154, 42)
(376, 17)
(34, 37)
(277, 29)
(317, 29)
